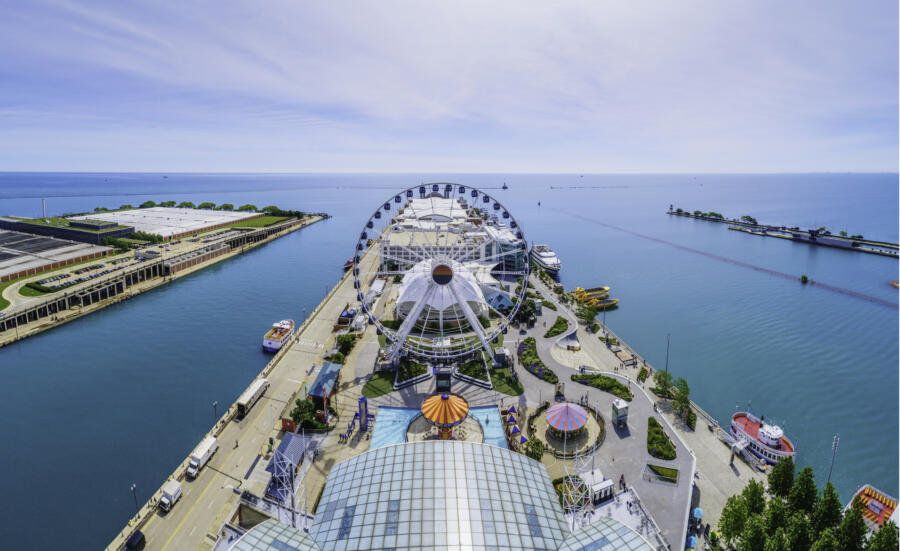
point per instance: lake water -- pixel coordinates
(122, 395)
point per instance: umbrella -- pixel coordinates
(510, 419)
(512, 409)
(698, 513)
(522, 439)
(515, 429)
(566, 416)
(691, 542)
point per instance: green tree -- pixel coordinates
(270, 208)
(663, 380)
(682, 400)
(885, 539)
(101, 209)
(148, 204)
(528, 309)
(225, 206)
(733, 519)
(852, 533)
(777, 542)
(247, 208)
(126, 206)
(776, 515)
(755, 497)
(843, 233)
(749, 220)
(799, 532)
(679, 210)
(345, 343)
(802, 497)
(753, 538)
(698, 213)
(534, 449)
(167, 204)
(186, 205)
(826, 542)
(827, 513)
(781, 477)
(587, 314)
(206, 205)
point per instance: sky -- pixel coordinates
(463, 86)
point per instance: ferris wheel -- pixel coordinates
(441, 271)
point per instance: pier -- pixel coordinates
(27, 317)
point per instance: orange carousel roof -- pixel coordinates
(445, 410)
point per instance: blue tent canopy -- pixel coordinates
(326, 380)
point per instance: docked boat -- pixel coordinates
(505, 186)
(765, 441)
(278, 335)
(544, 257)
(876, 506)
(348, 264)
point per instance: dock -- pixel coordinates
(30, 316)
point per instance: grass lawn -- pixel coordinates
(27, 291)
(664, 472)
(41, 275)
(382, 341)
(379, 384)
(658, 443)
(502, 379)
(260, 222)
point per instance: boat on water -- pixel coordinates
(876, 506)
(505, 186)
(544, 257)
(348, 264)
(765, 441)
(278, 335)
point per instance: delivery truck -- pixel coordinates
(201, 455)
(171, 495)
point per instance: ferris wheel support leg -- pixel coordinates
(471, 317)
(409, 322)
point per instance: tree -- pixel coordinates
(663, 380)
(528, 309)
(843, 233)
(733, 519)
(852, 533)
(777, 542)
(225, 206)
(682, 400)
(679, 210)
(126, 206)
(247, 208)
(799, 532)
(755, 497)
(826, 542)
(148, 204)
(101, 209)
(167, 204)
(776, 516)
(534, 449)
(345, 343)
(270, 209)
(885, 539)
(698, 213)
(781, 477)
(587, 314)
(186, 205)
(827, 514)
(802, 497)
(749, 220)
(753, 537)
(206, 205)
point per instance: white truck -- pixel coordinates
(201, 455)
(171, 495)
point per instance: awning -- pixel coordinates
(566, 416)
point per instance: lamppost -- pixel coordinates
(134, 494)
(215, 411)
(667, 352)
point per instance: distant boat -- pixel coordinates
(505, 186)
(164, 176)
(279, 334)
(348, 264)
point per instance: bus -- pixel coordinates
(250, 396)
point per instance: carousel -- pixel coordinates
(566, 420)
(445, 411)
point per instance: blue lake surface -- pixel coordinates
(122, 395)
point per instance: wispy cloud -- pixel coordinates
(463, 86)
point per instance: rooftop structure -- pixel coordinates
(440, 495)
(23, 254)
(170, 222)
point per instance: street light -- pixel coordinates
(834, 448)
(215, 411)
(134, 493)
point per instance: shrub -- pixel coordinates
(804, 279)
(336, 358)
(548, 305)
(605, 383)
(534, 449)
(643, 374)
(692, 419)
(658, 443)
(148, 204)
(304, 414)
(345, 343)
(560, 326)
(529, 359)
